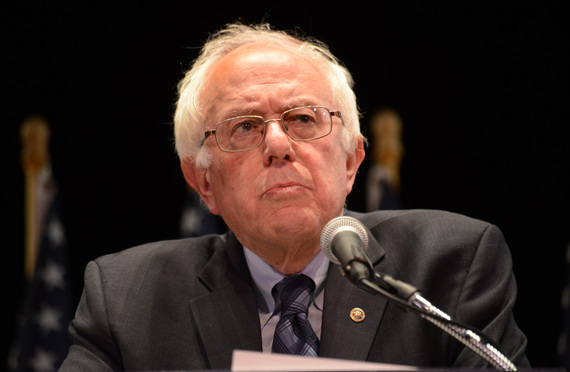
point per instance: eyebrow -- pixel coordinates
(240, 112)
(252, 111)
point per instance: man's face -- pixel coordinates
(282, 193)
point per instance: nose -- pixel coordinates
(278, 145)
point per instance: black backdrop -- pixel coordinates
(482, 88)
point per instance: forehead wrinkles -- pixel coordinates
(256, 75)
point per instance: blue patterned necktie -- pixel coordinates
(293, 333)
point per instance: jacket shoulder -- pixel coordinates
(171, 251)
(418, 217)
(163, 263)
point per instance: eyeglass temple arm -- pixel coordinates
(207, 134)
(337, 114)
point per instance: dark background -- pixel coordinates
(482, 88)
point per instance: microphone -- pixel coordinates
(344, 241)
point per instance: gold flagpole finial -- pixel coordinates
(35, 136)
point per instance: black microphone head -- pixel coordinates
(339, 224)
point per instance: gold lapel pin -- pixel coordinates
(357, 315)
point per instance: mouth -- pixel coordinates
(284, 189)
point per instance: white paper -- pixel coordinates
(252, 361)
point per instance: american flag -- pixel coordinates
(42, 340)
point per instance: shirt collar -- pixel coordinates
(266, 276)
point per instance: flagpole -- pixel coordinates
(35, 134)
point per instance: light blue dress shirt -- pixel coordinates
(266, 276)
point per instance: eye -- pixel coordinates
(300, 120)
(301, 117)
(244, 126)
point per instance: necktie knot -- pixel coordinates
(293, 333)
(295, 293)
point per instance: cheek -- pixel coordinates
(230, 181)
(222, 182)
(331, 171)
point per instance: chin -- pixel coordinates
(297, 221)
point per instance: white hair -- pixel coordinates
(189, 115)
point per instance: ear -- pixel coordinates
(353, 161)
(199, 179)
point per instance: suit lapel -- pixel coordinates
(341, 336)
(227, 317)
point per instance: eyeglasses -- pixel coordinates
(244, 133)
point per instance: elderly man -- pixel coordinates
(267, 132)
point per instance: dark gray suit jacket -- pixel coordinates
(187, 304)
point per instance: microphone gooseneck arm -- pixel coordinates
(410, 299)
